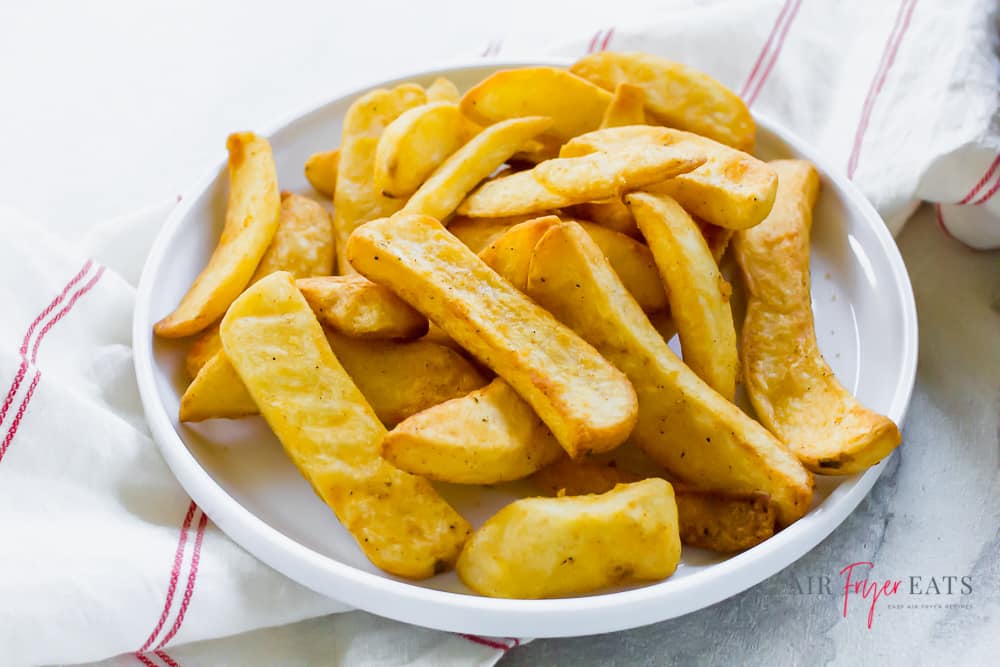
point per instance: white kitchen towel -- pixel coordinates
(102, 553)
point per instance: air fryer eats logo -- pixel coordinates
(861, 592)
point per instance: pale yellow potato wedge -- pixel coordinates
(677, 95)
(554, 547)
(575, 105)
(414, 145)
(715, 520)
(731, 189)
(510, 254)
(357, 199)
(793, 390)
(332, 435)
(613, 214)
(575, 180)
(684, 425)
(606, 175)
(488, 436)
(586, 402)
(397, 379)
(216, 392)
(443, 90)
(478, 233)
(699, 295)
(252, 215)
(627, 107)
(321, 171)
(441, 194)
(355, 306)
(304, 242)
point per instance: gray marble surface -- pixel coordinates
(934, 513)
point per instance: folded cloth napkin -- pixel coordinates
(103, 554)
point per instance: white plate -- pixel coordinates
(237, 473)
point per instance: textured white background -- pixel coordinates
(111, 106)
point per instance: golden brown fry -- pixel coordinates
(358, 307)
(626, 108)
(357, 199)
(732, 189)
(510, 254)
(202, 349)
(397, 379)
(321, 171)
(793, 390)
(588, 404)
(488, 436)
(699, 295)
(552, 547)
(537, 150)
(613, 214)
(442, 90)
(414, 145)
(477, 233)
(717, 238)
(514, 195)
(303, 244)
(251, 220)
(715, 520)
(441, 194)
(684, 425)
(216, 392)
(677, 95)
(332, 435)
(574, 104)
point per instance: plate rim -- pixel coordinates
(461, 612)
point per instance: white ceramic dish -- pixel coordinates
(236, 471)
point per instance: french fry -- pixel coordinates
(731, 189)
(588, 405)
(714, 520)
(626, 108)
(332, 435)
(251, 221)
(321, 171)
(699, 295)
(202, 349)
(510, 256)
(397, 379)
(613, 214)
(794, 391)
(684, 425)
(443, 90)
(478, 233)
(441, 194)
(675, 94)
(414, 145)
(575, 180)
(488, 436)
(574, 104)
(358, 307)
(357, 199)
(553, 547)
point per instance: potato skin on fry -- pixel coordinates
(555, 547)
(684, 425)
(790, 385)
(488, 436)
(677, 95)
(574, 104)
(252, 216)
(699, 295)
(332, 435)
(358, 307)
(588, 404)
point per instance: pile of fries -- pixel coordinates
(491, 300)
